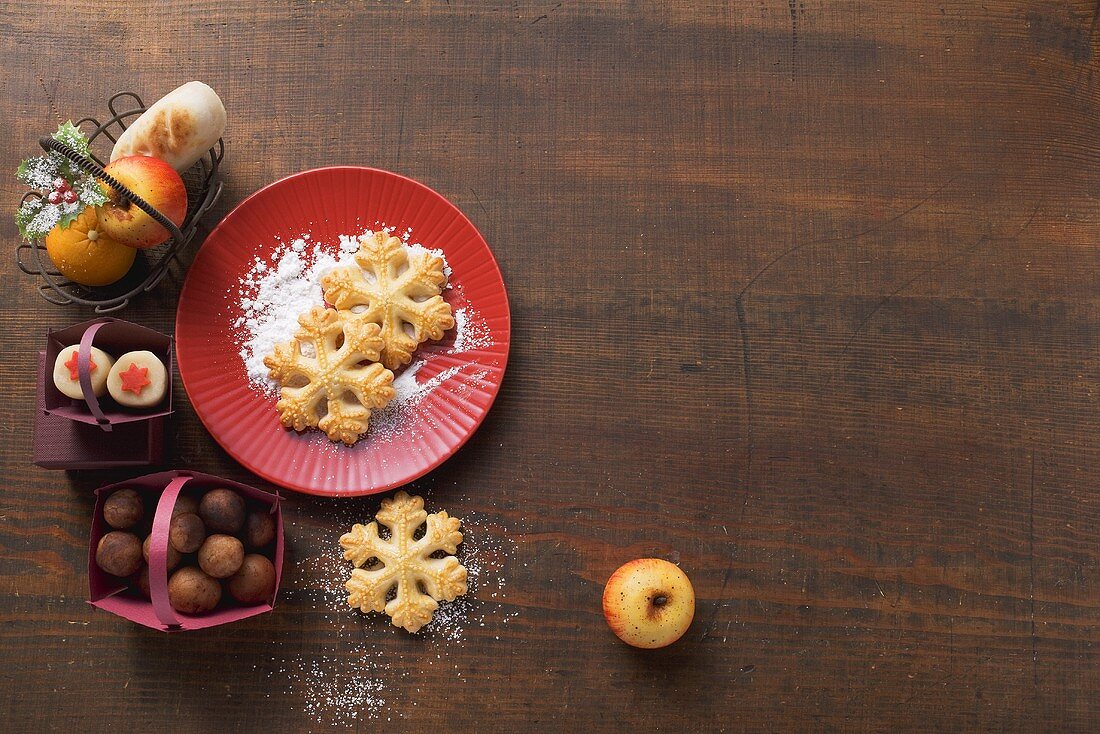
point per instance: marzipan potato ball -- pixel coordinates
(254, 582)
(186, 532)
(223, 511)
(185, 503)
(119, 553)
(143, 581)
(191, 591)
(259, 529)
(221, 556)
(123, 509)
(173, 558)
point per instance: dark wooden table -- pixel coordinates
(804, 298)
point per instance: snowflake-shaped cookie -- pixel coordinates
(404, 563)
(397, 288)
(329, 377)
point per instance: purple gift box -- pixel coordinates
(98, 433)
(119, 596)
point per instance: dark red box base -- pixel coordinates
(60, 443)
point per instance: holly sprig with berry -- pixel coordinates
(65, 189)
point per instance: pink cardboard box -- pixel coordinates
(121, 596)
(116, 337)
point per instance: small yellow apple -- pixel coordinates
(649, 603)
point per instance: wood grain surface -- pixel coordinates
(804, 298)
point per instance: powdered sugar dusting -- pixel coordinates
(471, 331)
(484, 556)
(394, 420)
(273, 294)
(349, 678)
(352, 678)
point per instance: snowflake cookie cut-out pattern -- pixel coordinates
(404, 564)
(396, 287)
(326, 381)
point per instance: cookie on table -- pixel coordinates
(66, 377)
(138, 380)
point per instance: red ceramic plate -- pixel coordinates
(326, 203)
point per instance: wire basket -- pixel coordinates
(151, 264)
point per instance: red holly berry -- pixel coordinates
(70, 197)
(54, 197)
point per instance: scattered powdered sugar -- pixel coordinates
(335, 692)
(484, 556)
(395, 420)
(272, 295)
(471, 332)
(407, 395)
(409, 390)
(347, 679)
(352, 678)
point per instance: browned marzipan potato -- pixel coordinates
(119, 553)
(123, 509)
(259, 529)
(223, 511)
(186, 532)
(221, 556)
(191, 591)
(255, 582)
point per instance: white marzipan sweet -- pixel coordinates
(178, 128)
(147, 395)
(62, 376)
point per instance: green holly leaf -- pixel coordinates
(40, 171)
(67, 214)
(90, 192)
(25, 214)
(70, 135)
(36, 218)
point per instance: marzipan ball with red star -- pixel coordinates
(66, 374)
(138, 380)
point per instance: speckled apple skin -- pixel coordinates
(159, 185)
(628, 607)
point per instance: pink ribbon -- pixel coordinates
(84, 372)
(158, 552)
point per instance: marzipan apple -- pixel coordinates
(154, 181)
(649, 603)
